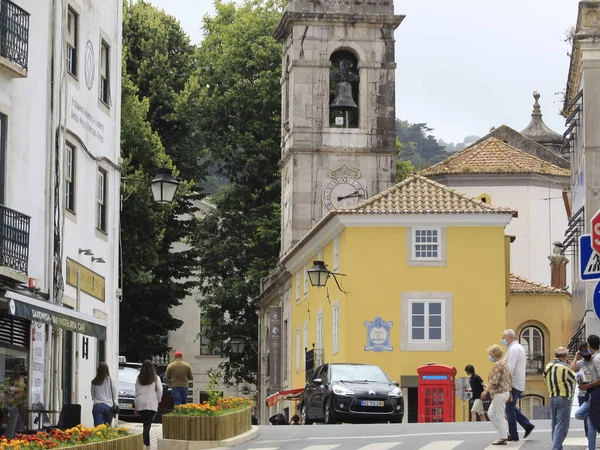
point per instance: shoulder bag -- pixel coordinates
(115, 407)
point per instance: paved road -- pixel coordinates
(459, 436)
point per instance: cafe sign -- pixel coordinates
(57, 319)
(89, 282)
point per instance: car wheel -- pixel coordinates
(305, 419)
(329, 413)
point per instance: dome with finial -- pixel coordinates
(538, 131)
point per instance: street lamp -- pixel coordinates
(164, 186)
(318, 275)
(237, 344)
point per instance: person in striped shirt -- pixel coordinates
(560, 381)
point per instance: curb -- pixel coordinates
(241, 438)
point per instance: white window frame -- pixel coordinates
(72, 41)
(297, 350)
(336, 253)
(426, 325)
(304, 344)
(335, 326)
(104, 72)
(286, 352)
(101, 192)
(297, 287)
(438, 231)
(70, 177)
(319, 331)
(446, 343)
(305, 280)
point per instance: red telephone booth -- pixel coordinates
(436, 393)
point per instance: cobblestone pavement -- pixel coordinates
(155, 431)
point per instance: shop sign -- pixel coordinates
(89, 282)
(275, 348)
(36, 371)
(56, 319)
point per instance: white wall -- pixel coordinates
(37, 107)
(542, 218)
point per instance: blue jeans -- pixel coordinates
(561, 418)
(179, 395)
(581, 400)
(514, 415)
(102, 414)
(582, 414)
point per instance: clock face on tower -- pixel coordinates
(343, 192)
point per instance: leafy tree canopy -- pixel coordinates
(234, 101)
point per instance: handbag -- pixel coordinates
(115, 407)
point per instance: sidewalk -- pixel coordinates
(136, 428)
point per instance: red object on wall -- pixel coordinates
(436, 393)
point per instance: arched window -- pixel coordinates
(485, 198)
(343, 90)
(528, 403)
(532, 339)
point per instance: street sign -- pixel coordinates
(596, 300)
(463, 388)
(596, 231)
(589, 259)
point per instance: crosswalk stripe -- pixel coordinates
(513, 445)
(380, 446)
(264, 448)
(442, 445)
(575, 441)
(320, 447)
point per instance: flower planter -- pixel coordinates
(207, 428)
(133, 442)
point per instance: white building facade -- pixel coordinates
(60, 95)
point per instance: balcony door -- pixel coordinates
(532, 339)
(2, 157)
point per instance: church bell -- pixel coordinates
(343, 100)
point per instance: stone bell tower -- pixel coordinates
(338, 108)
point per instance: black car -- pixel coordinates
(127, 377)
(351, 393)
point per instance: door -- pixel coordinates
(67, 381)
(433, 400)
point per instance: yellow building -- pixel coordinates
(541, 318)
(426, 280)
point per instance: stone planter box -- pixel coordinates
(209, 428)
(133, 442)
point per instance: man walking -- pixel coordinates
(179, 372)
(560, 381)
(516, 360)
(583, 413)
(477, 387)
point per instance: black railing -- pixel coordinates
(534, 364)
(14, 239)
(14, 33)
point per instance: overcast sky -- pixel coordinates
(466, 65)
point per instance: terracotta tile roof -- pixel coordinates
(519, 285)
(420, 195)
(494, 156)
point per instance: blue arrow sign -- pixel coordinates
(597, 300)
(589, 259)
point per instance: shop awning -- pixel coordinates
(290, 394)
(58, 316)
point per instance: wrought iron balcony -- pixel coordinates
(14, 33)
(14, 239)
(534, 364)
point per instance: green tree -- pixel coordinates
(234, 101)
(158, 60)
(143, 320)
(418, 144)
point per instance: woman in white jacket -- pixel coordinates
(148, 393)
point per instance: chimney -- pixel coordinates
(558, 267)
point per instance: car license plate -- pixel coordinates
(370, 403)
(126, 405)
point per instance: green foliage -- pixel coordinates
(234, 100)
(214, 393)
(418, 145)
(158, 59)
(404, 169)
